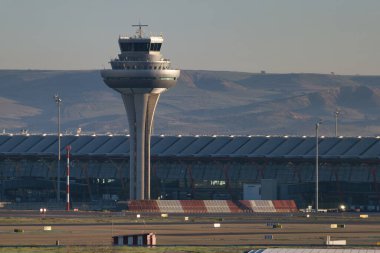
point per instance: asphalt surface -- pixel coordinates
(97, 228)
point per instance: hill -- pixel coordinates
(203, 102)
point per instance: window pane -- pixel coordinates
(141, 46)
(126, 47)
(155, 46)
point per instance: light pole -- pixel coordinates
(68, 148)
(316, 164)
(337, 112)
(58, 101)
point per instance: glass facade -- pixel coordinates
(137, 46)
(351, 183)
(155, 46)
(190, 167)
(125, 46)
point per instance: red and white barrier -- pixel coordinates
(217, 206)
(211, 206)
(170, 206)
(260, 206)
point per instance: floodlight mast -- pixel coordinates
(140, 74)
(68, 148)
(58, 101)
(317, 166)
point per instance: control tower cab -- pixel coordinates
(140, 74)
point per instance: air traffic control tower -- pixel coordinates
(140, 74)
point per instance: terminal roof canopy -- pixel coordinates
(197, 146)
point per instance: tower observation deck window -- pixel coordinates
(141, 47)
(155, 46)
(137, 47)
(126, 47)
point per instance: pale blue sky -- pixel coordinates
(278, 36)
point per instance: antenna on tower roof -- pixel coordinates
(139, 31)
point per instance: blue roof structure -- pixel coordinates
(196, 146)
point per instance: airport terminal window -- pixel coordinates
(141, 47)
(217, 182)
(126, 47)
(155, 46)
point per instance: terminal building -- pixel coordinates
(196, 167)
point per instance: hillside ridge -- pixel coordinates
(203, 102)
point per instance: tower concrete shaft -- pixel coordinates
(140, 109)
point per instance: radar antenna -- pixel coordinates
(139, 31)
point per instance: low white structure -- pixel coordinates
(216, 225)
(335, 242)
(147, 239)
(268, 237)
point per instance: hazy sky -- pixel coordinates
(319, 36)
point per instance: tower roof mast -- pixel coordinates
(139, 31)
